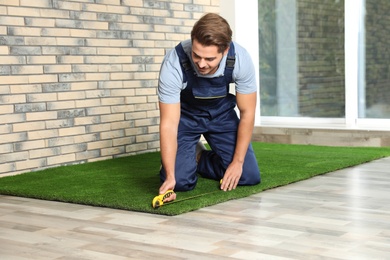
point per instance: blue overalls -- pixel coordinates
(207, 108)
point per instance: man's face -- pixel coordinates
(206, 58)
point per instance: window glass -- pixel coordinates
(376, 92)
(301, 49)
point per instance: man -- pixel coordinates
(194, 100)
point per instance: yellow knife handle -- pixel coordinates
(158, 201)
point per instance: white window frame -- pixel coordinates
(243, 18)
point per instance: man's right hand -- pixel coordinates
(168, 185)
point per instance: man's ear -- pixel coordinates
(226, 51)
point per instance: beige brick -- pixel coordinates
(95, 25)
(34, 116)
(91, 156)
(43, 153)
(13, 137)
(145, 91)
(42, 134)
(6, 109)
(55, 32)
(154, 145)
(99, 144)
(54, 13)
(12, 118)
(112, 118)
(60, 141)
(121, 125)
(136, 147)
(6, 148)
(145, 122)
(24, 11)
(57, 68)
(28, 126)
(108, 51)
(145, 106)
(4, 50)
(27, 69)
(40, 41)
(134, 131)
(121, 76)
(113, 101)
(61, 159)
(14, 157)
(26, 31)
(74, 95)
(30, 164)
(210, 9)
(5, 90)
(146, 138)
(5, 80)
(58, 123)
(29, 145)
(68, 5)
(106, 85)
(88, 103)
(98, 128)
(41, 60)
(87, 120)
(112, 134)
(123, 141)
(98, 110)
(5, 129)
(7, 168)
(10, 2)
(153, 99)
(83, 33)
(133, 67)
(136, 115)
(3, 30)
(153, 113)
(71, 131)
(85, 138)
(71, 59)
(154, 129)
(57, 105)
(110, 67)
(122, 109)
(44, 97)
(40, 22)
(97, 76)
(83, 85)
(85, 68)
(112, 151)
(74, 148)
(11, 20)
(25, 89)
(135, 100)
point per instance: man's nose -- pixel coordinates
(202, 63)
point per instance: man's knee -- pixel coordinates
(250, 178)
(185, 185)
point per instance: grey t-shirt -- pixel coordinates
(171, 76)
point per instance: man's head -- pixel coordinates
(211, 37)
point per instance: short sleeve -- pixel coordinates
(170, 81)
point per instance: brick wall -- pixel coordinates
(78, 78)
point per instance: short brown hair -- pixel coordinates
(212, 29)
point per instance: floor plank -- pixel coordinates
(340, 215)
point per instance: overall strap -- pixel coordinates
(185, 63)
(230, 61)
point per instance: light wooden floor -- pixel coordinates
(341, 215)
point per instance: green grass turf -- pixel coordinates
(130, 183)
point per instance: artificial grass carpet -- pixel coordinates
(131, 183)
